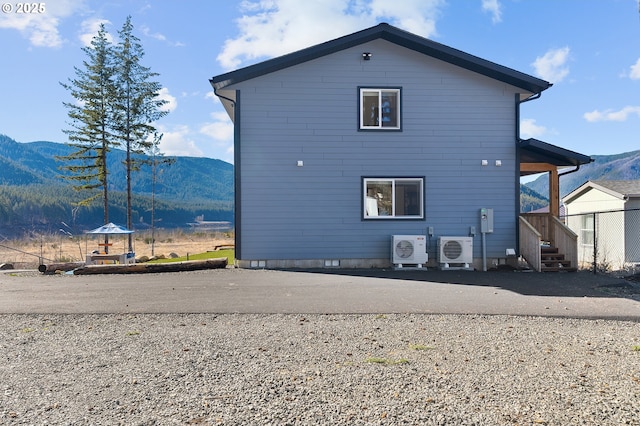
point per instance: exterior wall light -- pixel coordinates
(366, 56)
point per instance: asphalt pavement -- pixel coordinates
(577, 294)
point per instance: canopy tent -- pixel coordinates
(106, 230)
(111, 228)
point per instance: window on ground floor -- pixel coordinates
(586, 230)
(393, 198)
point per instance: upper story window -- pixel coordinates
(379, 109)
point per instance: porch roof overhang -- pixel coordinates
(542, 156)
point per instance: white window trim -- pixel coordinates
(587, 229)
(379, 90)
(393, 181)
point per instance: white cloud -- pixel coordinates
(147, 32)
(221, 131)
(552, 66)
(529, 129)
(90, 27)
(159, 36)
(41, 29)
(273, 28)
(176, 141)
(495, 8)
(172, 102)
(611, 115)
(635, 71)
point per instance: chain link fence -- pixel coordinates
(608, 241)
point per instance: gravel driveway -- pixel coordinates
(297, 368)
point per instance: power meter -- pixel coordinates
(486, 220)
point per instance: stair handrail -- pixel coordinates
(530, 240)
(565, 240)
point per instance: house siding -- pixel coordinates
(451, 120)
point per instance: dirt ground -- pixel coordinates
(25, 254)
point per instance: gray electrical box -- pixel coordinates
(486, 220)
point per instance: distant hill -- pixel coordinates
(624, 166)
(31, 180)
(530, 200)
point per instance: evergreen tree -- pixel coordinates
(137, 105)
(91, 122)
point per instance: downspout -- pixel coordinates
(233, 103)
(531, 98)
(517, 126)
(566, 173)
(570, 171)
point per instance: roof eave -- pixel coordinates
(395, 35)
(555, 155)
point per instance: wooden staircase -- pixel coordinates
(553, 261)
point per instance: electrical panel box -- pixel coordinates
(486, 220)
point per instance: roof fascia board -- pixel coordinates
(565, 156)
(465, 60)
(586, 187)
(394, 35)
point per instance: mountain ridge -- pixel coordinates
(34, 195)
(623, 166)
(35, 163)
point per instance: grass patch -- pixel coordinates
(419, 347)
(636, 348)
(386, 361)
(229, 254)
(133, 333)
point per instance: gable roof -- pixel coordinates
(527, 83)
(536, 151)
(622, 189)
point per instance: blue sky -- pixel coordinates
(589, 50)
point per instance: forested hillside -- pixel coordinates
(530, 200)
(33, 194)
(624, 166)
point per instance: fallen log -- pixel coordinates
(56, 268)
(147, 268)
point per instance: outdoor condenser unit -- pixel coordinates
(455, 250)
(409, 249)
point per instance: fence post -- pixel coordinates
(595, 246)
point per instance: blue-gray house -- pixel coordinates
(341, 146)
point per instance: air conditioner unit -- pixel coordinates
(455, 250)
(409, 249)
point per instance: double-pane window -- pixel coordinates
(380, 109)
(393, 198)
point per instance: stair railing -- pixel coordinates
(565, 240)
(530, 241)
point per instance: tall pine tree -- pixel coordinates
(91, 122)
(137, 106)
